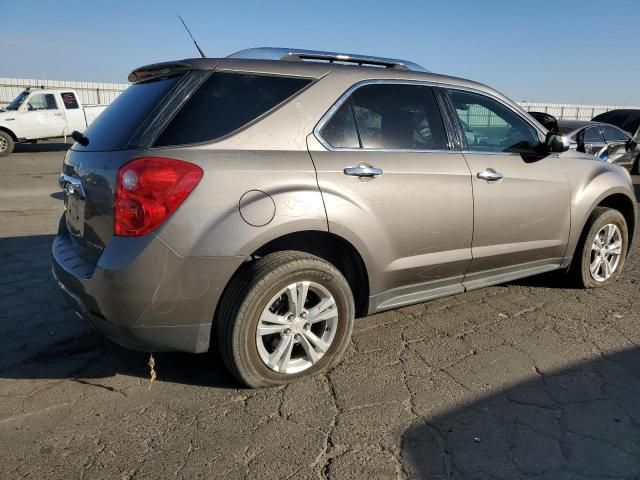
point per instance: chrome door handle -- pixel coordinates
(490, 175)
(363, 171)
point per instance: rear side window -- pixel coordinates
(114, 127)
(612, 134)
(593, 135)
(388, 116)
(69, 100)
(225, 103)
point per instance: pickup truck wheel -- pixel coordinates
(285, 315)
(601, 253)
(6, 144)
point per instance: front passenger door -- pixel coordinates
(42, 117)
(521, 204)
(617, 146)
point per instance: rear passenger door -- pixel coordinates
(521, 204)
(394, 186)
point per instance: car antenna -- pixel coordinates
(194, 40)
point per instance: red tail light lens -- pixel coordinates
(148, 191)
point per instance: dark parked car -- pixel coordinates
(264, 200)
(626, 119)
(604, 141)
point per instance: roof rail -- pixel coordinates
(294, 54)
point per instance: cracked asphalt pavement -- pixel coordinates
(524, 380)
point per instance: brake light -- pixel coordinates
(148, 191)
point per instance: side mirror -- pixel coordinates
(556, 143)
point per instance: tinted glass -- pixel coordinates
(114, 127)
(42, 101)
(489, 126)
(341, 131)
(399, 117)
(612, 134)
(69, 100)
(225, 103)
(592, 135)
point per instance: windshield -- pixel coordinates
(15, 104)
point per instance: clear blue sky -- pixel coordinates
(578, 51)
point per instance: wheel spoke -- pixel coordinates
(615, 248)
(607, 268)
(611, 229)
(279, 359)
(309, 349)
(323, 311)
(317, 342)
(303, 290)
(597, 242)
(271, 329)
(268, 317)
(595, 266)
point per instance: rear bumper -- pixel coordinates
(141, 294)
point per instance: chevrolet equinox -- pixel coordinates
(259, 203)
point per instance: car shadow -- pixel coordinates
(42, 147)
(579, 422)
(41, 338)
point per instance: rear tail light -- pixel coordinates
(148, 191)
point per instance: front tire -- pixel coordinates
(602, 249)
(6, 144)
(285, 315)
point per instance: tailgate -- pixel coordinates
(88, 180)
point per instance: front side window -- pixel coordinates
(42, 101)
(612, 134)
(593, 135)
(489, 126)
(226, 102)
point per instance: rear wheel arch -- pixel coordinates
(330, 247)
(334, 249)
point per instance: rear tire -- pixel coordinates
(6, 144)
(308, 336)
(599, 259)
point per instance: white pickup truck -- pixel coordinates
(38, 114)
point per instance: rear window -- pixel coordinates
(226, 102)
(114, 127)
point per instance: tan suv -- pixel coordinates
(261, 202)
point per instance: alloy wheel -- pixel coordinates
(297, 327)
(606, 251)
